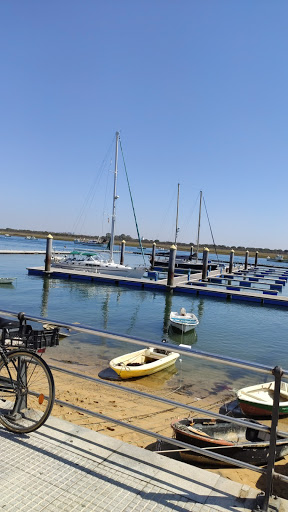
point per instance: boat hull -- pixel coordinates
(143, 362)
(181, 327)
(254, 410)
(120, 271)
(225, 442)
(183, 323)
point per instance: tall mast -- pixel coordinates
(199, 221)
(114, 200)
(177, 229)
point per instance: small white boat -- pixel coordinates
(62, 334)
(97, 242)
(183, 321)
(143, 362)
(7, 280)
(258, 400)
(278, 257)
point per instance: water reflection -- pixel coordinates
(112, 306)
(187, 338)
(45, 296)
(167, 311)
(200, 308)
(225, 327)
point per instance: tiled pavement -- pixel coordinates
(69, 468)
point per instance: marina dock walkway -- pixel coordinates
(181, 285)
(64, 467)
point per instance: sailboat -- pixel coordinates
(93, 261)
(181, 261)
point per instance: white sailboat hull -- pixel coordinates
(100, 267)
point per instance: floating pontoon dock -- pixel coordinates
(192, 284)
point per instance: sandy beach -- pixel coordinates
(134, 410)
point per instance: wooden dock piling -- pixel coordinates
(153, 255)
(171, 266)
(122, 252)
(246, 260)
(231, 261)
(205, 263)
(48, 253)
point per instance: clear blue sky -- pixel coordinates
(198, 91)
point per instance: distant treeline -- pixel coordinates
(145, 241)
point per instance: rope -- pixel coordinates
(134, 213)
(87, 203)
(211, 230)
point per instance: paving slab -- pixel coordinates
(64, 467)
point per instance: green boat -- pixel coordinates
(258, 400)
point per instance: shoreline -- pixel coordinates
(143, 412)
(147, 245)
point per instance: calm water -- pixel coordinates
(250, 331)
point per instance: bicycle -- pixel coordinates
(27, 389)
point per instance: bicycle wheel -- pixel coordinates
(27, 391)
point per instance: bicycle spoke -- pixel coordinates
(26, 391)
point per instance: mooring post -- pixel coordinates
(256, 258)
(205, 263)
(191, 252)
(153, 255)
(48, 253)
(171, 266)
(231, 262)
(246, 260)
(277, 372)
(122, 252)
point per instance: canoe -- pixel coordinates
(258, 400)
(183, 321)
(236, 441)
(143, 362)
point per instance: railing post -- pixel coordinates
(153, 255)
(171, 266)
(277, 372)
(122, 252)
(231, 261)
(48, 253)
(256, 258)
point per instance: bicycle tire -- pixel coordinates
(26, 400)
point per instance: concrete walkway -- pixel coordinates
(63, 467)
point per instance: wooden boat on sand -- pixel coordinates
(143, 362)
(242, 443)
(258, 400)
(183, 321)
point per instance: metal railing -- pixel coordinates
(277, 372)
